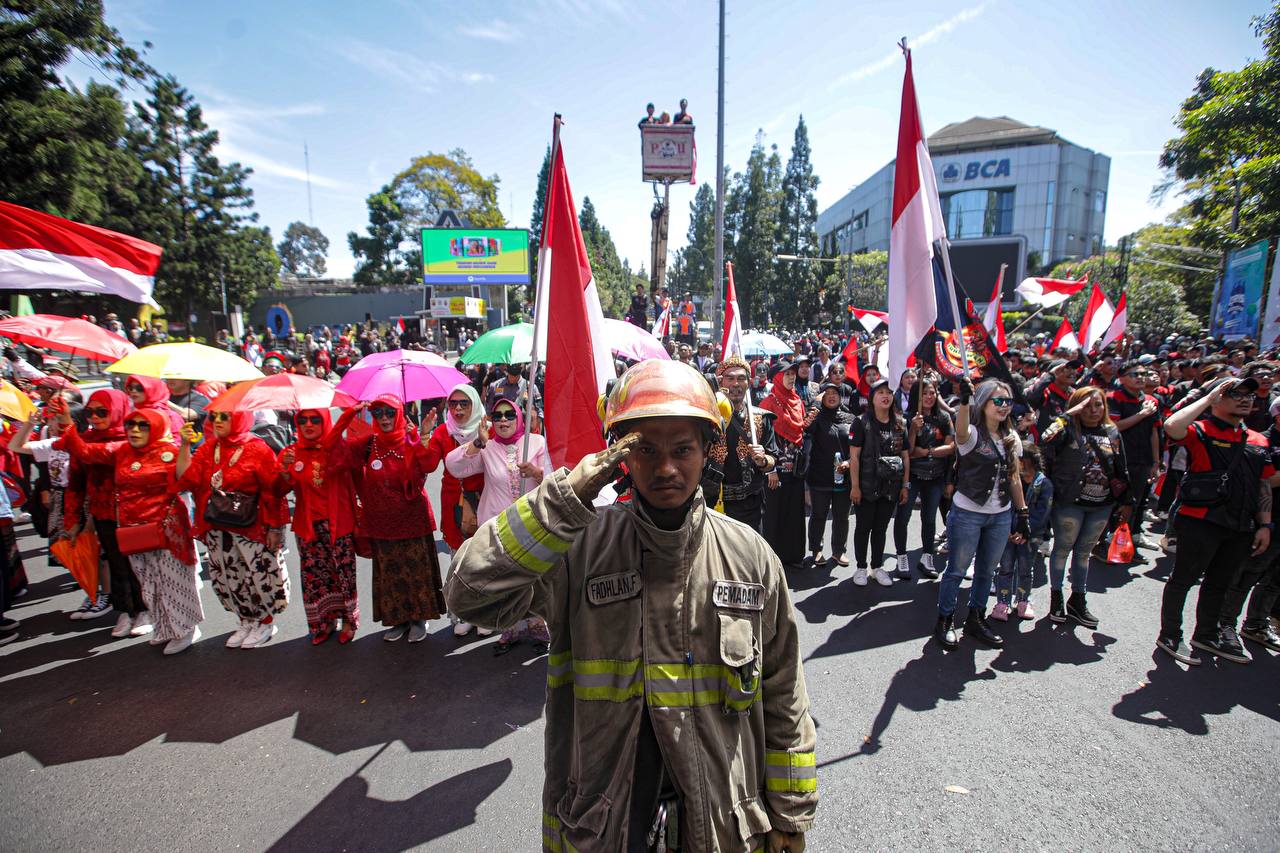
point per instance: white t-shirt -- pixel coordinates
(59, 461)
(993, 504)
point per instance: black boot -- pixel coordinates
(1078, 610)
(1057, 612)
(945, 632)
(975, 625)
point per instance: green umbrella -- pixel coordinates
(509, 345)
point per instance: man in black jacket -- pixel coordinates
(738, 466)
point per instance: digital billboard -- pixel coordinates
(475, 256)
(976, 265)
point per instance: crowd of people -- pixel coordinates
(829, 461)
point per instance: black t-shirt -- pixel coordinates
(1137, 438)
(892, 436)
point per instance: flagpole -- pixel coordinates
(544, 273)
(1030, 317)
(751, 421)
(955, 307)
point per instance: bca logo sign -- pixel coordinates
(976, 169)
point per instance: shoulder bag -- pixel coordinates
(227, 508)
(1209, 488)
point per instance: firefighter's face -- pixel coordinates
(666, 466)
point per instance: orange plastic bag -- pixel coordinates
(80, 556)
(1121, 550)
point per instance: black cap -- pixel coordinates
(781, 366)
(1248, 384)
(875, 386)
(828, 386)
(1129, 367)
(1062, 362)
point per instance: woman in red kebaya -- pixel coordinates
(152, 517)
(147, 392)
(390, 471)
(324, 528)
(241, 520)
(458, 498)
(90, 500)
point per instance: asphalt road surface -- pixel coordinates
(1067, 739)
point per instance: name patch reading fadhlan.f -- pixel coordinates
(609, 588)
(738, 596)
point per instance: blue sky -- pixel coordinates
(369, 86)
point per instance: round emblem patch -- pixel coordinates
(135, 466)
(166, 457)
(297, 466)
(376, 465)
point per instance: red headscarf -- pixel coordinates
(156, 396)
(789, 408)
(241, 424)
(393, 439)
(159, 430)
(333, 499)
(116, 403)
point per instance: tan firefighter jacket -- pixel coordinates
(696, 624)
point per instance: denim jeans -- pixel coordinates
(930, 494)
(1076, 530)
(971, 534)
(1015, 576)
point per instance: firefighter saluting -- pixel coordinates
(677, 715)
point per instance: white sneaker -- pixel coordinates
(260, 636)
(881, 576)
(101, 607)
(904, 567)
(484, 632)
(461, 629)
(80, 611)
(124, 625)
(182, 643)
(142, 625)
(968, 573)
(926, 565)
(238, 635)
(860, 576)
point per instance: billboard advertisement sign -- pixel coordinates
(1240, 296)
(667, 152)
(1271, 322)
(475, 256)
(457, 306)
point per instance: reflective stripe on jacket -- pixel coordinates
(695, 625)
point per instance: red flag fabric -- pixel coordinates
(1098, 315)
(39, 251)
(1065, 337)
(917, 223)
(1050, 291)
(731, 342)
(870, 320)
(568, 332)
(1118, 323)
(994, 319)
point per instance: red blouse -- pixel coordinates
(253, 472)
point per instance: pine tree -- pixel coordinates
(540, 198)
(757, 192)
(612, 284)
(798, 281)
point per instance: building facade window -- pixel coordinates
(1050, 202)
(1099, 201)
(978, 213)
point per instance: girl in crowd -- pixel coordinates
(784, 500)
(980, 522)
(931, 446)
(157, 535)
(324, 528)
(879, 476)
(395, 520)
(90, 495)
(1084, 458)
(459, 499)
(1014, 580)
(147, 392)
(828, 476)
(506, 477)
(241, 520)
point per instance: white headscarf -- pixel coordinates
(466, 430)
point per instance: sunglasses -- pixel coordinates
(382, 412)
(460, 404)
(97, 412)
(1240, 395)
(138, 425)
(309, 419)
(1002, 401)
(218, 417)
(504, 415)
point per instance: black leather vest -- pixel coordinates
(983, 469)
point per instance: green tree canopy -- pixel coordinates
(303, 250)
(798, 282)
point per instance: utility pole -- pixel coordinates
(718, 282)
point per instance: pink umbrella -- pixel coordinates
(283, 392)
(633, 342)
(409, 374)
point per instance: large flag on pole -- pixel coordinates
(994, 319)
(39, 251)
(731, 343)
(1098, 315)
(1065, 337)
(1118, 323)
(568, 334)
(917, 223)
(1048, 292)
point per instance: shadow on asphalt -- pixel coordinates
(1172, 697)
(343, 820)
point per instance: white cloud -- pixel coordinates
(245, 128)
(492, 31)
(931, 35)
(402, 68)
(262, 164)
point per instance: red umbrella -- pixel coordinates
(66, 334)
(289, 392)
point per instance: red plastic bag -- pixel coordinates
(1159, 486)
(1121, 550)
(80, 556)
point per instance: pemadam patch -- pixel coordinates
(607, 589)
(738, 596)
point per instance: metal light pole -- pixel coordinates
(718, 281)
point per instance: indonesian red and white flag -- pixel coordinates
(39, 251)
(1098, 314)
(400, 325)
(870, 320)
(568, 332)
(662, 326)
(994, 319)
(1065, 337)
(1118, 323)
(1050, 291)
(917, 223)
(731, 341)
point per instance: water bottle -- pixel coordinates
(839, 475)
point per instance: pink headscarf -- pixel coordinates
(519, 433)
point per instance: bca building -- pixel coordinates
(1010, 192)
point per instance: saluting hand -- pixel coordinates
(593, 472)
